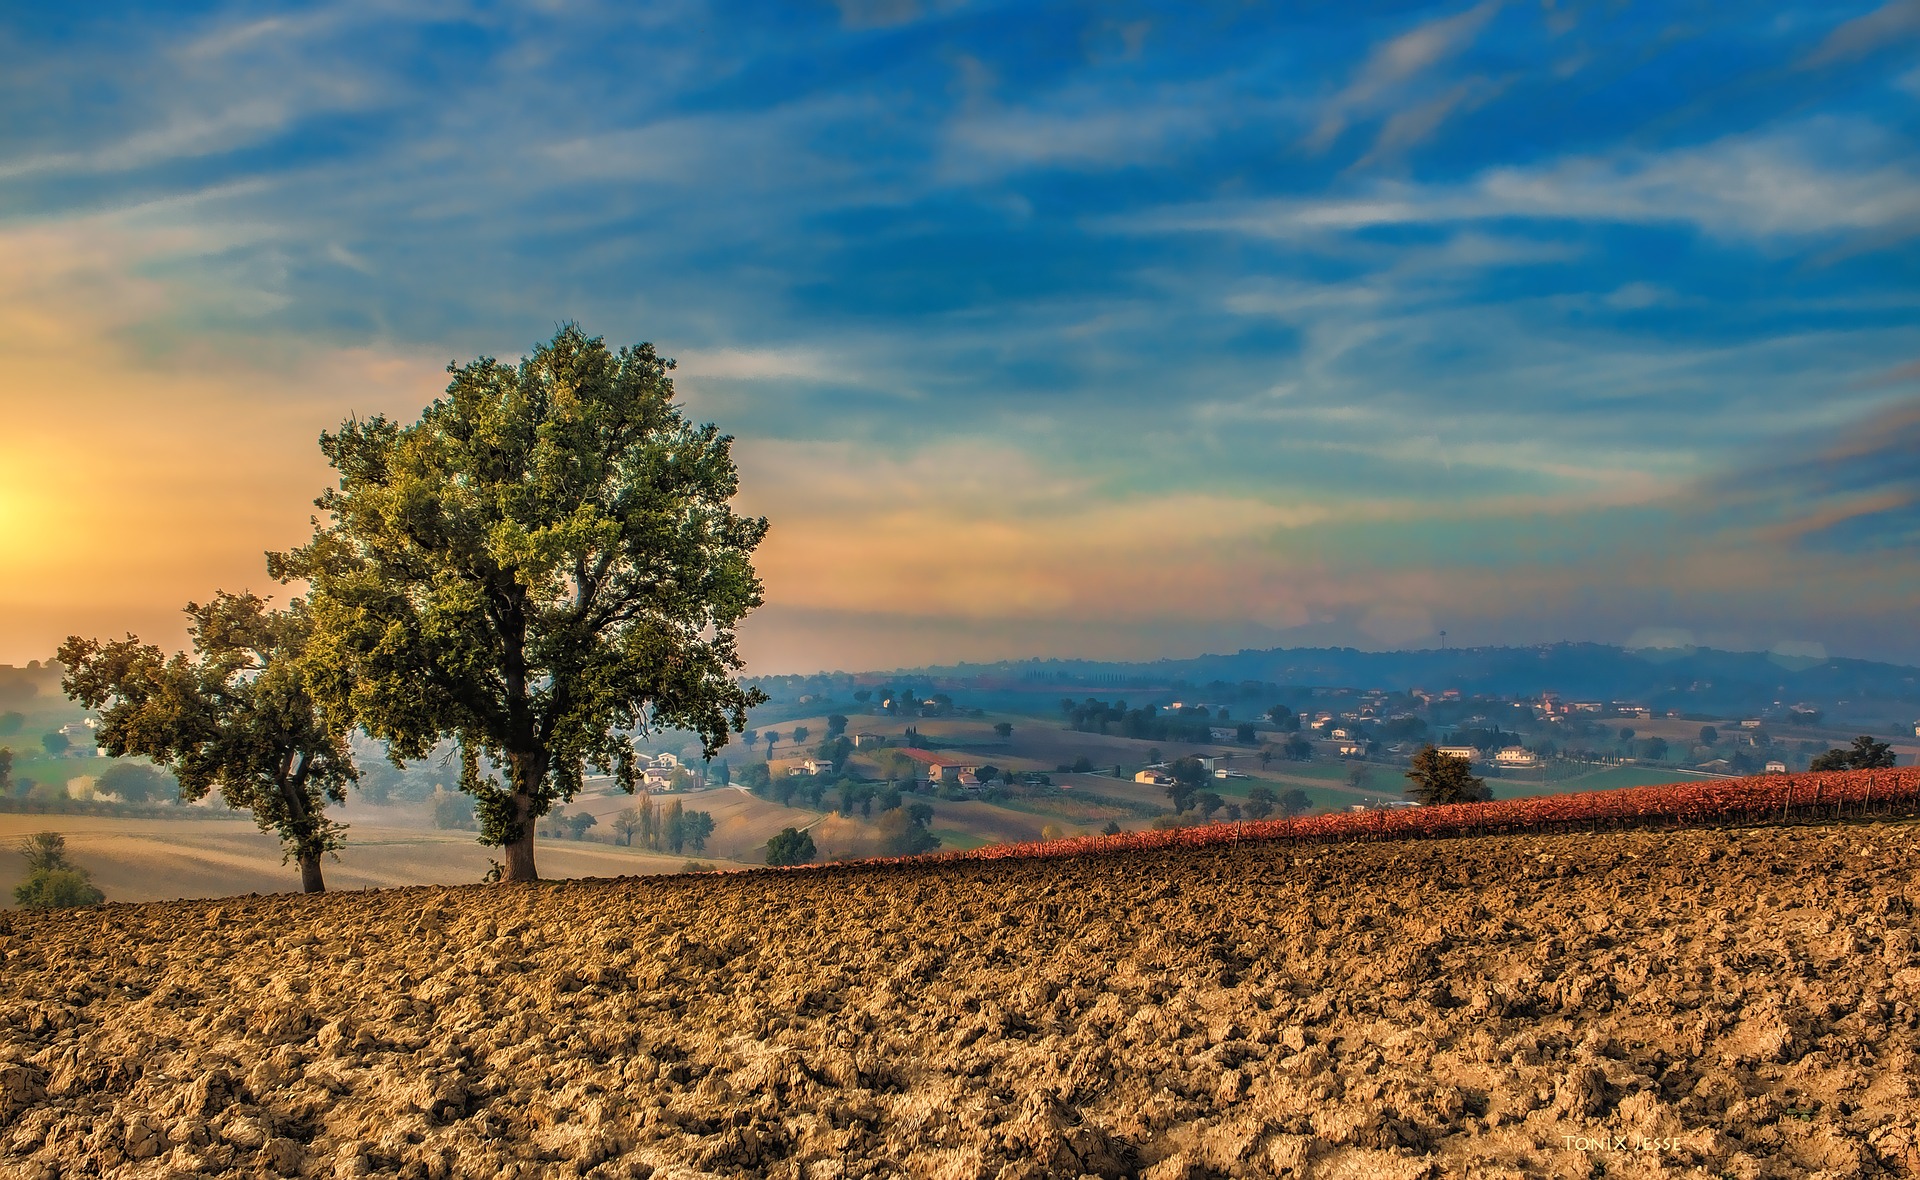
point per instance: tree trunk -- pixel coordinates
(310, 878)
(520, 849)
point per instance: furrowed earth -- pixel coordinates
(1705, 1003)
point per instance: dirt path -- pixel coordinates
(1636, 1004)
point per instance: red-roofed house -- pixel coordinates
(942, 768)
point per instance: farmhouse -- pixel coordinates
(1468, 752)
(1516, 756)
(942, 768)
(1776, 767)
(1155, 778)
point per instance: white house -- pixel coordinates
(1776, 767)
(1154, 778)
(1516, 756)
(818, 766)
(1468, 752)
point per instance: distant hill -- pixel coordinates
(1688, 679)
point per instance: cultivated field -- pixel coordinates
(158, 859)
(1690, 1003)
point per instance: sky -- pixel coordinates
(1095, 330)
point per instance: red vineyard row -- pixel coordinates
(1761, 799)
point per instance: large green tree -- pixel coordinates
(541, 567)
(236, 714)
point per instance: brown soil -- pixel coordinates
(1689, 1003)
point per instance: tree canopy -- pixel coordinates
(541, 567)
(236, 715)
(1436, 778)
(1865, 754)
(790, 846)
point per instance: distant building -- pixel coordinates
(1350, 749)
(818, 765)
(1154, 778)
(941, 768)
(1516, 756)
(864, 740)
(1776, 767)
(1750, 723)
(1468, 752)
(1716, 766)
(1220, 735)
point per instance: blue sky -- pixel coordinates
(1057, 330)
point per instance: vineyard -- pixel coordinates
(1772, 798)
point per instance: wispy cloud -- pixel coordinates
(1777, 184)
(1884, 28)
(1394, 63)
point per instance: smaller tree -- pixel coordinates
(773, 738)
(1004, 729)
(452, 810)
(1299, 749)
(1112, 829)
(674, 830)
(55, 743)
(1866, 754)
(53, 881)
(695, 827)
(578, 823)
(800, 733)
(836, 725)
(44, 851)
(1437, 778)
(1709, 736)
(1295, 802)
(863, 695)
(1260, 801)
(1244, 733)
(1358, 776)
(135, 782)
(238, 714)
(625, 825)
(1207, 802)
(790, 846)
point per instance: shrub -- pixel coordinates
(50, 889)
(790, 847)
(53, 881)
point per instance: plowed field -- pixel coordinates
(1709, 1003)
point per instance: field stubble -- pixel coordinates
(1719, 1003)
